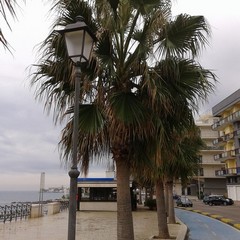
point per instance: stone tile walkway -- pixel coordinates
(90, 226)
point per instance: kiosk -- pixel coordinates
(99, 194)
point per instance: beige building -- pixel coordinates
(207, 182)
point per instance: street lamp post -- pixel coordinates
(79, 42)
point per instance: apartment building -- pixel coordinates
(206, 182)
(228, 127)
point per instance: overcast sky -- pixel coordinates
(28, 137)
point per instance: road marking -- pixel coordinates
(206, 225)
(237, 225)
(226, 220)
(214, 233)
(216, 216)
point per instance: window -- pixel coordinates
(201, 173)
(98, 194)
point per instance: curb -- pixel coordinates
(183, 232)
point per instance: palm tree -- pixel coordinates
(184, 80)
(123, 89)
(7, 7)
(183, 162)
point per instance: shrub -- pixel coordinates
(151, 203)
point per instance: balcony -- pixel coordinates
(225, 138)
(212, 148)
(234, 117)
(228, 172)
(225, 155)
(237, 151)
(221, 123)
(224, 121)
(218, 141)
(237, 133)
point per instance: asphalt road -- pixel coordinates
(206, 228)
(227, 212)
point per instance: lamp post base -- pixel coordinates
(73, 173)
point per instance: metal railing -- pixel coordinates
(19, 211)
(227, 171)
(14, 212)
(64, 205)
(229, 119)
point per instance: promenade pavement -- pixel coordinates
(90, 226)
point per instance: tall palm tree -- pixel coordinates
(112, 115)
(123, 89)
(183, 162)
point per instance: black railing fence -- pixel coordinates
(64, 205)
(19, 211)
(14, 212)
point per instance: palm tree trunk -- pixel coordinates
(124, 209)
(140, 195)
(166, 195)
(171, 212)
(161, 211)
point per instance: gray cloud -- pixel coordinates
(28, 137)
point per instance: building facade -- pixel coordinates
(228, 128)
(206, 182)
(100, 194)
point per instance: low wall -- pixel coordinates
(53, 208)
(98, 206)
(37, 210)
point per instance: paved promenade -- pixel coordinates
(90, 226)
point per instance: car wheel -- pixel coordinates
(210, 203)
(225, 203)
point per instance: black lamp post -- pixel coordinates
(79, 41)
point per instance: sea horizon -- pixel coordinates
(12, 196)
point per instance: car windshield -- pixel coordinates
(185, 200)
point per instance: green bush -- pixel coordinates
(151, 203)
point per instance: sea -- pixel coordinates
(8, 197)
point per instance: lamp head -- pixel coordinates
(79, 40)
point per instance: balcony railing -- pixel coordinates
(231, 118)
(228, 171)
(225, 155)
(218, 141)
(236, 133)
(224, 138)
(214, 148)
(237, 151)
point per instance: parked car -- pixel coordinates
(220, 200)
(175, 196)
(184, 202)
(207, 197)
